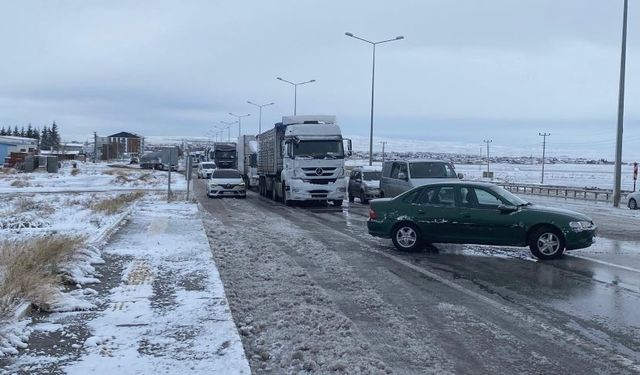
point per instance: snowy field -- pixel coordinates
(575, 175)
(89, 177)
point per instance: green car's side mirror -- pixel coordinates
(507, 209)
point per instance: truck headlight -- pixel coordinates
(579, 226)
(341, 172)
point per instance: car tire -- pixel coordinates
(547, 243)
(406, 237)
(633, 204)
(337, 203)
(363, 198)
(381, 193)
(351, 197)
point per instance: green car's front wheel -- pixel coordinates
(406, 237)
(547, 243)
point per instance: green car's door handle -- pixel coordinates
(420, 212)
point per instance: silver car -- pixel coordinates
(364, 183)
(633, 200)
(226, 183)
(399, 176)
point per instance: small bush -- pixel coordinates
(113, 205)
(8, 171)
(29, 270)
(75, 171)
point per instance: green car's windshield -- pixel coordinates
(512, 199)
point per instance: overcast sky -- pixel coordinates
(467, 70)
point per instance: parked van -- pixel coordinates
(399, 176)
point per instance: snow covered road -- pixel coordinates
(311, 290)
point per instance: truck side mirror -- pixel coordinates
(402, 176)
(349, 148)
(460, 176)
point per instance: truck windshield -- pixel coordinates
(431, 170)
(226, 173)
(319, 149)
(225, 154)
(208, 166)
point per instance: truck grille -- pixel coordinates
(318, 193)
(321, 181)
(319, 171)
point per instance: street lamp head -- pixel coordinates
(313, 80)
(280, 78)
(348, 34)
(399, 37)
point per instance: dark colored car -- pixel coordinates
(364, 183)
(477, 213)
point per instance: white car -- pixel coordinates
(205, 169)
(226, 183)
(633, 200)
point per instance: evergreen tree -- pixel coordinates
(54, 136)
(36, 135)
(22, 132)
(2, 131)
(29, 133)
(16, 132)
(45, 142)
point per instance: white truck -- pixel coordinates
(247, 148)
(302, 159)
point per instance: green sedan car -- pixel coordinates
(477, 213)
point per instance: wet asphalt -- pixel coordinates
(486, 310)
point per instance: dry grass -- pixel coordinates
(20, 183)
(8, 171)
(113, 205)
(29, 270)
(75, 171)
(116, 172)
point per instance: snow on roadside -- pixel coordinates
(164, 311)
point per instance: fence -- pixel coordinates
(604, 195)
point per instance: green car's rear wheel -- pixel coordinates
(406, 237)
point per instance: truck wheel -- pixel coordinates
(337, 202)
(363, 198)
(633, 204)
(285, 198)
(351, 197)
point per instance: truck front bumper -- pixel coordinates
(299, 190)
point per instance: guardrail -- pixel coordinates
(603, 195)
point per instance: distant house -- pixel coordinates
(67, 151)
(122, 143)
(16, 145)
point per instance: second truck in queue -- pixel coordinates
(224, 155)
(302, 159)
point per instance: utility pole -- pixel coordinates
(544, 147)
(617, 183)
(487, 141)
(383, 143)
(95, 147)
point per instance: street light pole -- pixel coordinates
(239, 117)
(373, 78)
(228, 123)
(383, 144)
(260, 115)
(617, 183)
(544, 149)
(295, 91)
